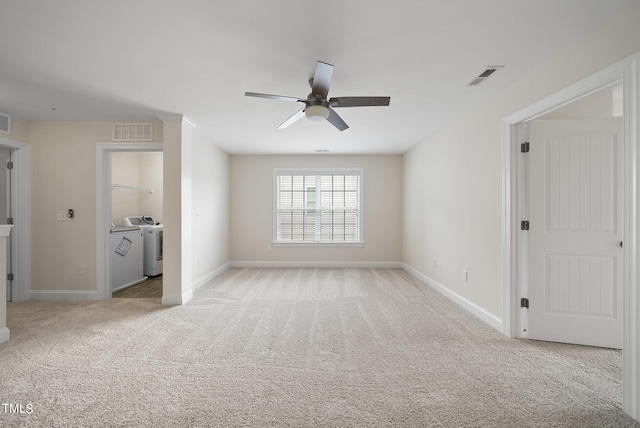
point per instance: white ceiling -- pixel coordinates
(130, 60)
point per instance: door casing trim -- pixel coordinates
(625, 71)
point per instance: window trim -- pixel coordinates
(318, 171)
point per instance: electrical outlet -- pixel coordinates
(83, 270)
(269, 248)
(62, 215)
(434, 262)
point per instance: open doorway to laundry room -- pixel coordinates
(136, 219)
(129, 184)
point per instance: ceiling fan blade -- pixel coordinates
(274, 97)
(296, 116)
(322, 79)
(336, 120)
(359, 101)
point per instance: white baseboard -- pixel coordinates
(4, 335)
(177, 300)
(208, 277)
(63, 295)
(329, 264)
(466, 304)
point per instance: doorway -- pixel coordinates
(6, 200)
(104, 210)
(137, 201)
(16, 197)
(623, 73)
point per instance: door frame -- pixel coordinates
(21, 207)
(626, 72)
(103, 207)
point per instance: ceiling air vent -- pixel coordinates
(485, 74)
(133, 132)
(5, 123)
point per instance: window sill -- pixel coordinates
(317, 244)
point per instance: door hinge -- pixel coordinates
(524, 303)
(10, 277)
(524, 147)
(10, 220)
(9, 165)
(524, 225)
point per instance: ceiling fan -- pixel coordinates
(316, 106)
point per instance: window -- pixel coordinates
(318, 206)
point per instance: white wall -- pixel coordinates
(452, 181)
(151, 177)
(125, 170)
(252, 209)
(210, 209)
(595, 106)
(143, 170)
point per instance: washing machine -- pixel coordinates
(152, 232)
(126, 257)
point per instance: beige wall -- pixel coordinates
(19, 130)
(63, 175)
(452, 181)
(252, 209)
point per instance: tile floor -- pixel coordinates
(151, 288)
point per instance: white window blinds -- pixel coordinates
(317, 206)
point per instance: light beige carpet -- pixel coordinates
(295, 348)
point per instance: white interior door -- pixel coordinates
(5, 208)
(575, 231)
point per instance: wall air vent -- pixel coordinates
(491, 69)
(133, 132)
(5, 123)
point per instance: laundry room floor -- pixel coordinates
(150, 288)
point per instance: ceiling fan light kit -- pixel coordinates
(317, 107)
(317, 113)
